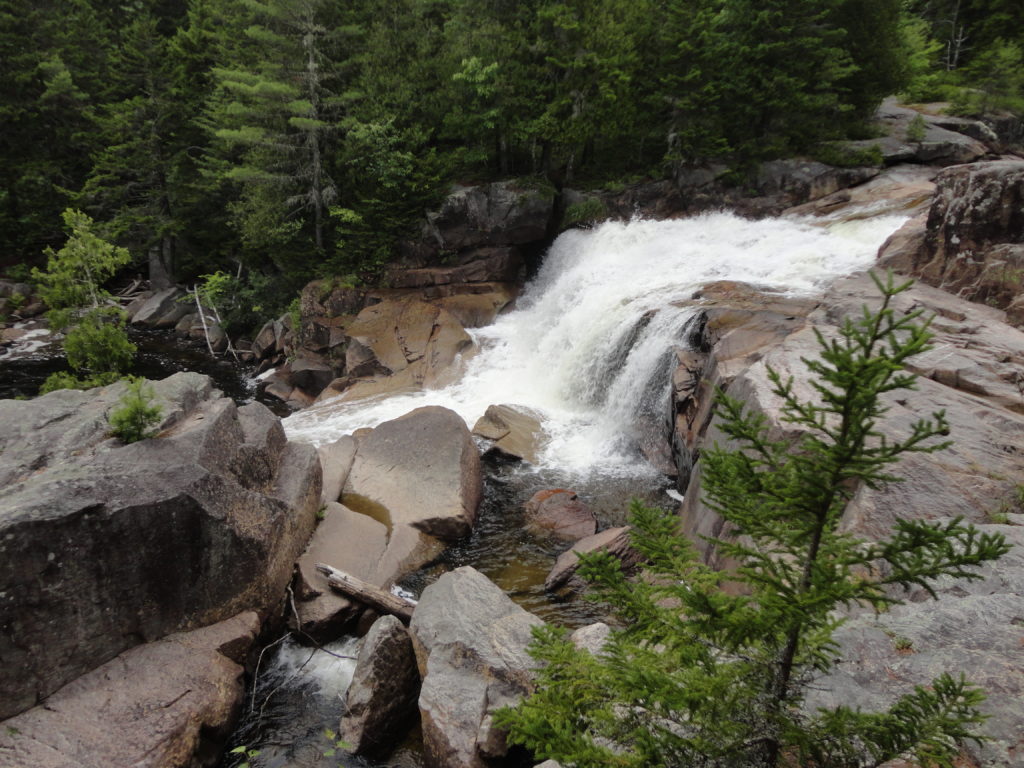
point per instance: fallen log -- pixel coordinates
(368, 594)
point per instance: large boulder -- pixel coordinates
(470, 641)
(384, 689)
(349, 541)
(939, 146)
(514, 431)
(971, 373)
(439, 484)
(972, 243)
(104, 546)
(167, 704)
(498, 214)
(161, 310)
(398, 345)
(420, 476)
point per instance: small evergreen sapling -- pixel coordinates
(707, 678)
(137, 415)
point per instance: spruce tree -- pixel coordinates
(706, 677)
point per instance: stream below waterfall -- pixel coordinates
(588, 346)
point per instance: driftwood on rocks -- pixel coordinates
(367, 593)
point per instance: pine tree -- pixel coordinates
(704, 677)
(96, 341)
(277, 107)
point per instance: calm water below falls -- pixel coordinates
(589, 347)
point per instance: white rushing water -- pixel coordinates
(588, 344)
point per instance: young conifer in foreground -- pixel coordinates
(701, 677)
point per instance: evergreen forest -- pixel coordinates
(282, 140)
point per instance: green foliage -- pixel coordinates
(842, 156)
(916, 129)
(996, 81)
(136, 414)
(75, 274)
(585, 212)
(99, 343)
(704, 676)
(66, 380)
(246, 753)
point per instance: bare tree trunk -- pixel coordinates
(365, 593)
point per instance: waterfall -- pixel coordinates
(588, 345)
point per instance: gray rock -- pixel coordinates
(165, 704)
(351, 542)
(162, 309)
(384, 689)
(939, 147)
(560, 513)
(615, 541)
(591, 638)
(516, 431)
(971, 373)
(973, 243)
(439, 486)
(104, 546)
(470, 641)
(497, 214)
(336, 459)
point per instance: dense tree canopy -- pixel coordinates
(303, 138)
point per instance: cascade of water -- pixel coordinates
(587, 344)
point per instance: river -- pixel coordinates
(589, 347)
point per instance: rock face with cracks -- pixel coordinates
(165, 704)
(104, 546)
(470, 641)
(972, 372)
(384, 689)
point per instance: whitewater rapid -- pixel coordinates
(589, 343)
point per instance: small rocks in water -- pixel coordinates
(561, 513)
(384, 689)
(614, 540)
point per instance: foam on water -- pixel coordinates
(588, 344)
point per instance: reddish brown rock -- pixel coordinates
(167, 704)
(614, 541)
(561, 513)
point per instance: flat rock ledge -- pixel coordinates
(166, 704)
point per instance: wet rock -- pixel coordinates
(470, 641)
(397, 345)
(104, 546)
(162, 309)
(615, 541)
(516, 431)
(384, 690)
(560, 513)
(735, 325)
(336, 459)
(346, 540)
(165, 704)
(475, 310)
(438, 484)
